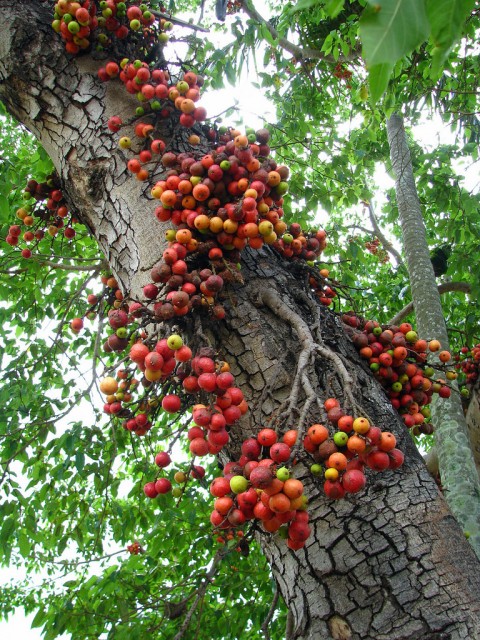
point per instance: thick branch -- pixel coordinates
(299, 53)
(444, 287)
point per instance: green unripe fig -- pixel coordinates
(340, 438)
(174, 342)
(238, 484)
(73, 27)
(283, 474)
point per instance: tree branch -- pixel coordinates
(445, 287)
(269, 615)
(387, 245)
(221, 553)
(181, 23)
(298, 52)
(74, 267)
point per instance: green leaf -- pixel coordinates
(446, 18)
(230, 72)
(266, 35)
(79, 461)
(39, 619)
(392, 29)
(24, 545)
(378, 77)
(304, 4)
(4, 208)
(7, 529)
(333, 7)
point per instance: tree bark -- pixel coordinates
(456, 463)
(473, 423)
(389, 563)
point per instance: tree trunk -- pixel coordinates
(456, 463)
(473, 423)
(389, 563)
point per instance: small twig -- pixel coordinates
(71, 267)
(76, 563)
(181, 23)
(269, 616)
(96, 350)
(444, 287)
(387, 245)
(8, 462)
(221, 553)
(300, 53)
(63, 321)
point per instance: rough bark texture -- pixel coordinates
(390, 563)
(473, 423)
(456, 464)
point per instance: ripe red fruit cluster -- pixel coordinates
(82, 23)
(163, 485)
(74, 21)
(398, 360)
(233, 195)
(355, 445)
(189, 380)
(158, 97)
(233, 6)
(342, 73)
(112, 297)
(236, 191)
(176, 290)
(219, 203)
(468, 362)
(47, 216)
(134, 549)
(258, 487)
(374, 248)
(324, 292)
